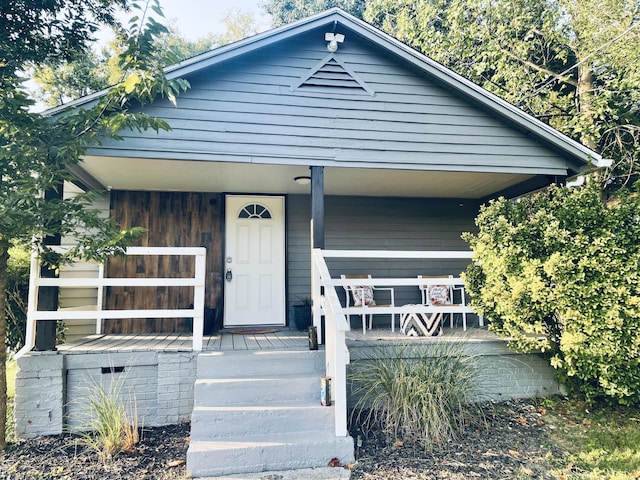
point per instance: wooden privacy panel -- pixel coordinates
(172, 219)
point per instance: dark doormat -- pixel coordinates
(251, 331)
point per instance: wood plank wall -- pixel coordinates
(172, 219)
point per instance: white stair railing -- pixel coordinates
(336, 353)
(327, 303)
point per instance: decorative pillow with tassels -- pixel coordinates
(362, 294)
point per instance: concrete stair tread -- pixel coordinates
(265, 453)
(298, 406)
(320, 473)
(241, 364)
(262, 439)
(266, 351)
(261, 378)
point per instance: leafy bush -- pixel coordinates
(17, 294)
(559, 272)
(414, 393)
(17, 297)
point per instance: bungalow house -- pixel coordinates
(291, 149)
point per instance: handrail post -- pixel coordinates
(340, 382)
(336, 354)
(100, 299)
(198, 301)
(32, 304)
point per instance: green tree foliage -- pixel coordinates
(238, 24)
(68, 80)
(58, 82)
(17, 292)
(43, 30)
(573, 63)
(287, 11)
(558, 272)
(36, 151)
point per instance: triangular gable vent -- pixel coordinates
(331, 75)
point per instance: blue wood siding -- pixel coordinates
(373, 223)
(250, 109)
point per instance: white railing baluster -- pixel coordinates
(100, 299)
(198, 301)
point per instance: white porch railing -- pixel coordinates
(324, 295)
(197, 281)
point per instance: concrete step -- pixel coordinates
(262, 453)
(256, 363)
(268, 390)
(315, 473)
(259, 411)
(209, 423)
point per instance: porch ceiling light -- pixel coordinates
(334, 39)
(303, 180)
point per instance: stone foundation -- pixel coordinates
(52, 389)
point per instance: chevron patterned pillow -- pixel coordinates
(421, 324)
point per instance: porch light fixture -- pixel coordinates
(303, 180)
(334, 39)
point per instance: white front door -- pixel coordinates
(254, 261)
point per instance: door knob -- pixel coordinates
(228, 275)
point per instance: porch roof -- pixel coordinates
(194, 176)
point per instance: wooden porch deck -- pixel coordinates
(225, 341)
(182, 342)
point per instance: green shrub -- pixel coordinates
(559, 272)
(413, 393)
(17, 296)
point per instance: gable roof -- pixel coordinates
(333, 17)
(582, 156)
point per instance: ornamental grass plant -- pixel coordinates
(415, 392)
(111, 427)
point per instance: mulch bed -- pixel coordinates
(160, 455)
(513, 441)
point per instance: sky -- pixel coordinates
(197, 18)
